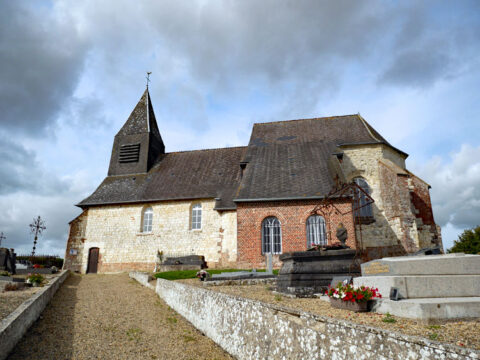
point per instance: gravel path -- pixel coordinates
(112, 317)
(462, 333)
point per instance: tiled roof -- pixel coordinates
(289, 159)
(213, 173)
(284, 160)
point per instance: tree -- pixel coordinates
(468, 242)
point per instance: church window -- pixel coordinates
(147, 220)
(364, 210)
(316, 232)
(271, 236)
(196, 216)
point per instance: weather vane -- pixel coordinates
(148, 77)
(37, 228)
(2, 237)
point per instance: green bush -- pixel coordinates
(468, 242)
(45, 260)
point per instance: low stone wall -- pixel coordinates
(142, 277)
(15, 325)
(250, 329)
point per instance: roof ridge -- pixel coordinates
(315, 118)
(185, 151)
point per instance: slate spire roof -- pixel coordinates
(283, 160)
(138, 144)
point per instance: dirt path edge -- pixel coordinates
(15, 325)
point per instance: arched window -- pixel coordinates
(147, 220)
(365, 210)
(316, 232)
(271, 236)
(196, 216)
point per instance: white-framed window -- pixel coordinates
(196, 216)
(316, 231)
(271, 236)
(365, 210)
(147, 220)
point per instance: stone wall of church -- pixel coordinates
(402, 209)
(116, 231)
(76, 238)
(293, 217)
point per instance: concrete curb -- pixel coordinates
(15, 325)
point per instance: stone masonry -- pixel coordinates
(116, 231)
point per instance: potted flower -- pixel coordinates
(35, 279)
(350, 298)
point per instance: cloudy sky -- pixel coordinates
(71, 72)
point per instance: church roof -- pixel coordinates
(290, 159)
(283, 160)
(199, 174)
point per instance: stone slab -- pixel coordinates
(450, 264)
(431, 309)
(412, 287)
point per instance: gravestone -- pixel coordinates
(7, 260)
(431, 287)
(269, 263)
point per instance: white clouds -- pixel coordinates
(455, 187)
(73, 70)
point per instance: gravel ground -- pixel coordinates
(112, 317)
(462, 333)
(10, 300)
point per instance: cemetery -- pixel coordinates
(424, 306)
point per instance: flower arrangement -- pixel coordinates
(349, 293)
(35, 279)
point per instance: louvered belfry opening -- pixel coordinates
(129, 153)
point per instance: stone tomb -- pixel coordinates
(305, 273)
(434, 287)
(190, 262)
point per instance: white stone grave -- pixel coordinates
(433, 287)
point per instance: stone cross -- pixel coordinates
(2, 237)
(269, 263)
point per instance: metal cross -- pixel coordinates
(148, 77)
(37, 228)
(2, 237)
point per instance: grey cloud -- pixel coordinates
(435, 42)
(41, 58)
(20, 171)
(18, 213)
(455, 187)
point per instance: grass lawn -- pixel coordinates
(191, 274)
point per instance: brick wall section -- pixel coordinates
(293, 216)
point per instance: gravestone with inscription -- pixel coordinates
(437, 286)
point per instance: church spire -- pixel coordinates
(138, 143)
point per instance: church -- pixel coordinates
(234, 205)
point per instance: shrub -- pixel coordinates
(35, 278)
(468, 242)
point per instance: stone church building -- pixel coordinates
(233, 205)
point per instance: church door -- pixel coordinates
(92, 261)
